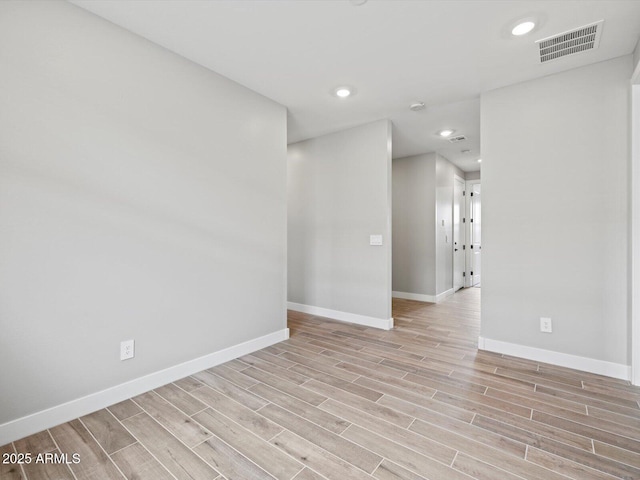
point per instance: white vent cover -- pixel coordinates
(458, 138)
(570, 43)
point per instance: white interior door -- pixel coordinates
(458, 233)
(476, 234)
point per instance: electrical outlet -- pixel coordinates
(545, 325)
(127, 349)
(375, 240)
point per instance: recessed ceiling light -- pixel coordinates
(523, 28)
(445, 132)
(479, 160)
(344, 91)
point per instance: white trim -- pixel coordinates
(635, 76)
(441, 296)
(592, 365)
(385, 324)
(414, 296)
(468, 186)
(462, 226)
(53, 416)
(388, 252)
(423, 298)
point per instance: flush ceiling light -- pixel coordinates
(479, 160)
(445, 133)
(344, 91)
(523, 28)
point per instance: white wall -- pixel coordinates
(422, 244)
(414, 239)
(141, 196)
(472, 175)
(340, 193)
(636, 57)
(634, 231)
(444, 214)
(555, 202)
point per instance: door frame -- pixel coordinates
(463, 231)
(468, 187)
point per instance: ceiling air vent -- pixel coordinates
(458, 138)
(570, 43)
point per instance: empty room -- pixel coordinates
(319, 239)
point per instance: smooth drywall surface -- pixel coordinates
(472, 175)
(414, 217)
(636, 58)
(555, 199)
(423, 224)
(634, 234)
(339, 188)
(141, 197)
(445, 172)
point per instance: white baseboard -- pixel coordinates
(591, 365)
(443, 295)
(53, 416)
(419, 297)
(423, 298)
(385, 324)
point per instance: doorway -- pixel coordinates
(458, 233)
(474, 234)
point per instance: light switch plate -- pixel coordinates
(375, 240)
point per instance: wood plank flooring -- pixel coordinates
(340, 401)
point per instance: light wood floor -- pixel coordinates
(339, 401)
